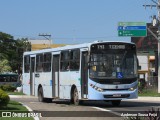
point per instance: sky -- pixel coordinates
(71, 21)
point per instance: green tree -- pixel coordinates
(4, 66)
(12, 50)
(5, 43)
(22, 45)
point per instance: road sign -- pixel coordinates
(132, 29)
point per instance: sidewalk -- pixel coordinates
(149, 98)
(22, 96)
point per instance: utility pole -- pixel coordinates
(48, 37)
(157, 5)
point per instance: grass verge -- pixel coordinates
(14, 106)
(15, 93)
(149, 93)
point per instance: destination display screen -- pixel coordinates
(111, 46)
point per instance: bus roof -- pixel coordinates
(84, 45)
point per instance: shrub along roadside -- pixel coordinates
(8, 88)
(4, 99)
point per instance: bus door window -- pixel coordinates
(64, 61)
(47, 62)
(26, 64)
(74, 59)
(39, 63)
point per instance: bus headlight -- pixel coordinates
(134, 87)
(96, 88)
(100, 90)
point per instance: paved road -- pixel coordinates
(88, 108)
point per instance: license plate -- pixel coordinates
(117, 95)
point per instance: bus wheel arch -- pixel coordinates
(74, 95)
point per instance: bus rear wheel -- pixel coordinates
(116, 102)
(40, 95)
(75, 97)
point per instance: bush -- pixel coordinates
(8, 88)
(4, 99)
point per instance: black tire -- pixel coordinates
(40, 95)
(48, 100)
(75, 97)
(116, 103)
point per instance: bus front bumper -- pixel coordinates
(113, 95)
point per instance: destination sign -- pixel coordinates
(117, 46)
(112, 46)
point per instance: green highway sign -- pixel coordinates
(132, 33)
(132, 29)
(131, 24)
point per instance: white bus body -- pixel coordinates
(92, 71)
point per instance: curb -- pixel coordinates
(145, 99)
(21, 96)
(30, 110)
(149, 98)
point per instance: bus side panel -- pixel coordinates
(64, 80)
(44, 79)
(26, 83)
(67, 79)
(47, 90)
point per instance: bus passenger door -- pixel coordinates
(84, 75)
(32, 75)
(55, 76)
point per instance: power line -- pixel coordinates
(47, 36)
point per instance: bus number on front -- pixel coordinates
(100, 47)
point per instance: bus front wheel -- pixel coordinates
(116, 102)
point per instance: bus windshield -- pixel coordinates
(113, 64)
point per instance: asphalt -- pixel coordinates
(59, 107)
(139, 98)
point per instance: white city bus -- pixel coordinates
(102, 70)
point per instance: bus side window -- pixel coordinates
(47, 62)
(39, 63)
(74, 59)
